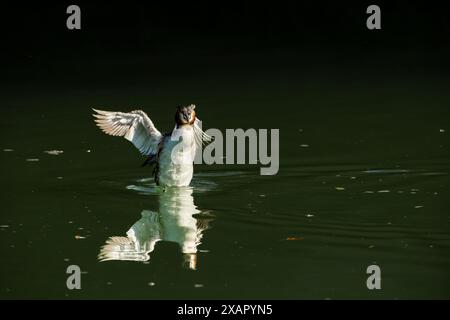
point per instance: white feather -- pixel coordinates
(135, 126)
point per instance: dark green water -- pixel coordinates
(363, 179)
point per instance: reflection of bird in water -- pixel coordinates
(172, 154)
(174, 222)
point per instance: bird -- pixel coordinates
(178, 221)
(172, 154)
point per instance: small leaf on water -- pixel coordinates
(294, 238)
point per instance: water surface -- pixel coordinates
(363, 179)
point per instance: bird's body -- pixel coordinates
(172, 154)
(176, 158)
(177, 221)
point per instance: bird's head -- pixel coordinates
(185, 115)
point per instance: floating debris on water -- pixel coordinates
(309, 215)
(198, 285)
(369, 191)
(384, 191)
(151, 284)
(340, 188)
(418, 207)
(441, 130)
(294, 238)
(78, 237)
(88, 150)
(4, 226)
(32, 159)
(353, 178)
(262, 195)
(204, 250)
(54, 152)
(383, 171)
(8, 150)
(59, 178)
(304, 145)
(371, 246)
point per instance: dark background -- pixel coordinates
(39, 46)
(152, 25)
(370, 104)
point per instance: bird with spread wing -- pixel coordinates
(172, 154)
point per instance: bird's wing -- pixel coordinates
(139, 242)
(135, 126)
(201, 138)
(122, 248)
